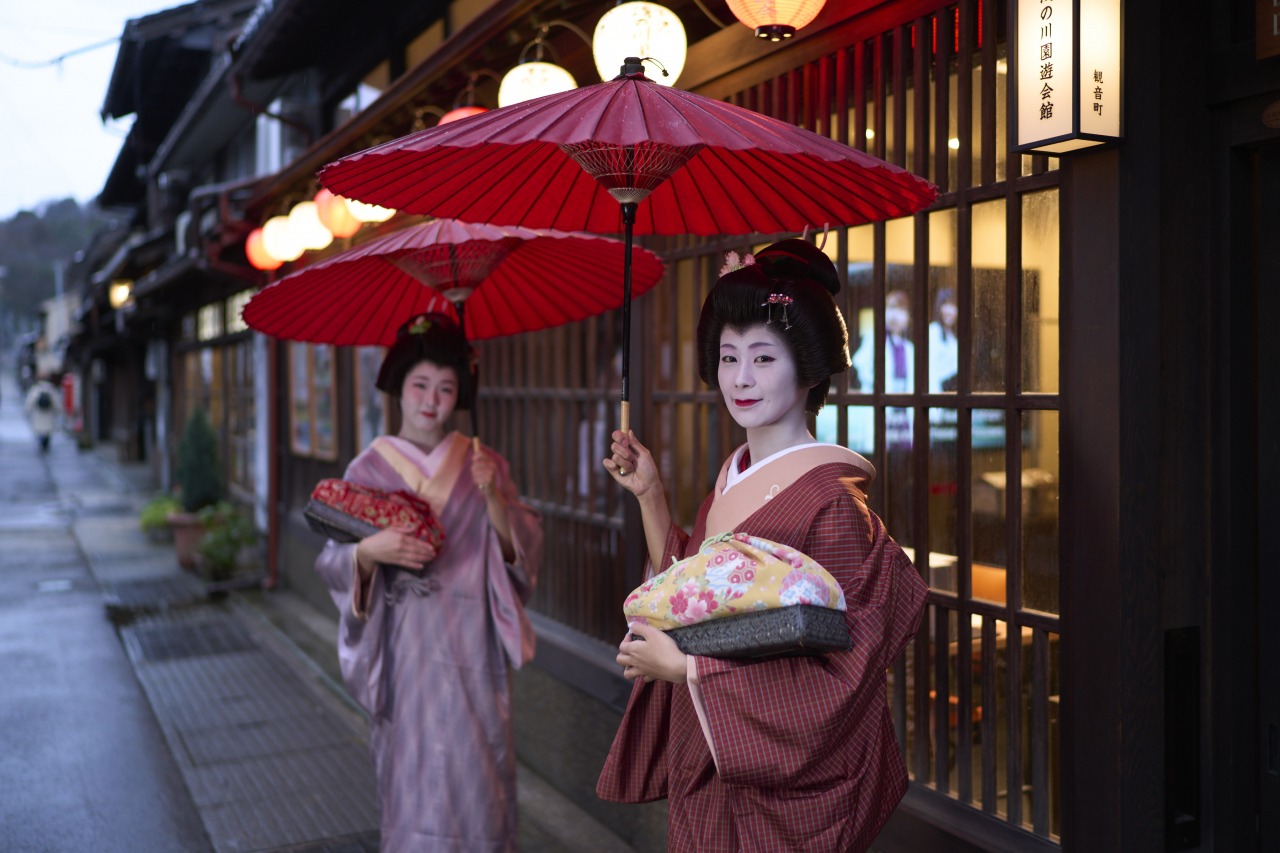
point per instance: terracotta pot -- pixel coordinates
(187, 533)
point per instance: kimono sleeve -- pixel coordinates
(360, 628)
(526, 535)
(792, 721)
(636, 769)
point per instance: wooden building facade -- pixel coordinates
(1080, 463)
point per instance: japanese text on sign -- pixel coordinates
(1046, 54)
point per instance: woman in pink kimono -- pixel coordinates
(794, 753)
(426, 637)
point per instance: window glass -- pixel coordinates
(943, 467)
(987, 498)
(944, 311)
(1002, 112)
(1040, 511)
(323, 392)
(1040, 333)
(300, 398)
(210, 321)
(988, 315)
(371, 418)
(861, 317)
(235, 306)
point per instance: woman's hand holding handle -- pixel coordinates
(395, 546)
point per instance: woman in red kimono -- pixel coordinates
(427, 636)
(793, 753)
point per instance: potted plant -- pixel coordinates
(199, 479)
(229, 530)
(153, 518)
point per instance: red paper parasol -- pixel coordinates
(508, 279)
(584, 159)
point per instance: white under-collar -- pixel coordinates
(734, 475)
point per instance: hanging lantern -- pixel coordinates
(257, 253)
(279, 241)
(531, 80)
(119, 292)
(369, 212)
(775, 20)
(460, 112)
(335, 215)
(1068, 61)
(304, 222)
(643, 29)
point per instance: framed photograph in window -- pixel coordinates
(373, 414)
(300, 398)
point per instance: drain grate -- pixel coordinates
(192, 639)
(364, 842)
(154, 592)
(127, 600)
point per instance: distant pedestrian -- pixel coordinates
(43, 406)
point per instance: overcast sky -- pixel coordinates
(53, 145)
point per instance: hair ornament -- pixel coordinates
(778, 299)
(419, 326)
(733, 262)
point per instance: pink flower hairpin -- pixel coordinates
(733, 262)
(778, 299)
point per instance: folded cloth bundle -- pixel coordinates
(347, 512)
(742, 596)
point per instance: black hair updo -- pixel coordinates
(814, 329)
(429, 337)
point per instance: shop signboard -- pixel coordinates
(1067, 74)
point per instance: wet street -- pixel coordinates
(140, 714)
(85, 765)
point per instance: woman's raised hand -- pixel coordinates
(484, 472)
(396, 546)
(631, 464)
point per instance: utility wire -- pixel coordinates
(719, 23)
(57, 60)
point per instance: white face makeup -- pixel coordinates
(757, 376)
(427, 400)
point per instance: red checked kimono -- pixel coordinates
(805, 753)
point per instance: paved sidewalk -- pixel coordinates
(245, 690)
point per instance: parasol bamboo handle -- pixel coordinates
(625, 416)
(475, 443)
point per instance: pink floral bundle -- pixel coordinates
(731, 575)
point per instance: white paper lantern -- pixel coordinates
(530, 80)
(369, 212)
(640, 29)
(279, 240)
(304, 222)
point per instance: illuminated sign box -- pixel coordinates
(1067, 80)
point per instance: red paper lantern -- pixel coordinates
(258, 256)
(461, 112)
(335, 215)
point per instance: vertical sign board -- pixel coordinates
(1100, 29)
(1067, 60)
(1266, 37)
(1045, 70)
